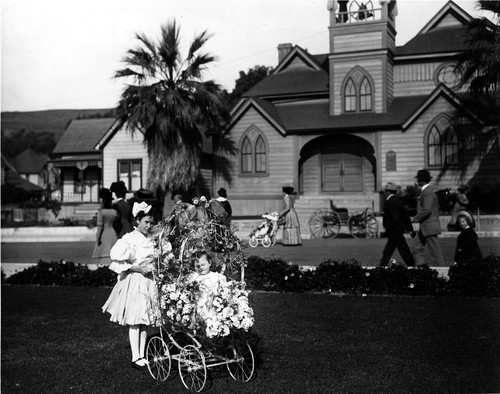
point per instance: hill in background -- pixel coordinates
(52, 121)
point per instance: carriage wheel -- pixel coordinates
(192, 368)
(253, 242)
(159, 360)
(363, 225)
(266, 241)
(243, 366)
(324, 223)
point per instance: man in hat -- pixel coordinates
(396, 222)
(124, 224)
(428, 218)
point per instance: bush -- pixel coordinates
(478, 279)
(62, 273)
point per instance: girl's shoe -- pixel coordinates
(140, 363)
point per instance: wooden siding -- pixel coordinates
(357, 42)
(340, 69)
(415, 79)
(410, 150)
(123, 147)
(262, 188)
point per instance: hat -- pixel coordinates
(144, 194)
(222, 192)
(424, 176)
(287, 189)
(105, 194)
(177, 192)
(118, 187)
(391, 187)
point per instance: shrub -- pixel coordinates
(62, 273)
(476, 279)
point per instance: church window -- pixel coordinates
(350, 96)
(357, 91)
(246, 156)
(365, 96)
(443, 146)
(260, 155)
(253, 153)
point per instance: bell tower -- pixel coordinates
(362, 43)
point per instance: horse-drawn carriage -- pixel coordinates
(326, 223)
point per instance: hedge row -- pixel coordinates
(479, 279)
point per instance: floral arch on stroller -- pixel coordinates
(187, 339)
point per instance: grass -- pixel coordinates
(55, 339)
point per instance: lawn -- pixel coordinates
(55, 339)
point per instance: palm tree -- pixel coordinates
(171, 105)
(479, 65)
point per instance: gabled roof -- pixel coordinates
(313, 117)
(265, 108)
(82, 135)
(303, 81)
(30, 162)
(445, 32)
(297, 54)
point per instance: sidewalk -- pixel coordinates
(84, 234)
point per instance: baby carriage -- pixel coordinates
(266, 231)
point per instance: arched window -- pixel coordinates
(246, 156)
(350, 96)
(443, 143)
(260, 155)
(451, 146)
(434, 147)
(253, 153)
(365, 96)
(358, 91)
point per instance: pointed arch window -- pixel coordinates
(443, 144)
(254, 153)
(365, 95)
(434, 147)
(357, 94)
(260, 155)
(246, 156)
(350, 96)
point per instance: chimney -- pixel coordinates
(283, 51)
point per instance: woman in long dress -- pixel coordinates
(291, 229)
(133, 300)
(106, 235)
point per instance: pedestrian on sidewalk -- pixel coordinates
(124, 209)
(428, 218)
(106, 235)
(467, 250)
(396, 222)
(291, 228)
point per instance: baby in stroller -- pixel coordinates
(266, 231)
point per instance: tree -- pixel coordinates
(171, 104)
(479, 64)
(246, 81)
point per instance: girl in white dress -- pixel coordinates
(209, 282)
(133, 300)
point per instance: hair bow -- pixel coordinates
(142, 207)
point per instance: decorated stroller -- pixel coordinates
(266, 232)
(185, 341)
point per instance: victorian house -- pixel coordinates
(338, 126)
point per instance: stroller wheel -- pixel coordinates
(267, 242)
(253, 242)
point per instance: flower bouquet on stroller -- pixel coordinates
(202, 298)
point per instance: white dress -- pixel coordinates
(209, 285)
(133, 300)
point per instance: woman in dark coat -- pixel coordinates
(106, 235)
(467, 249)
(291, 229)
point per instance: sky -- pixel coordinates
(62, 54)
